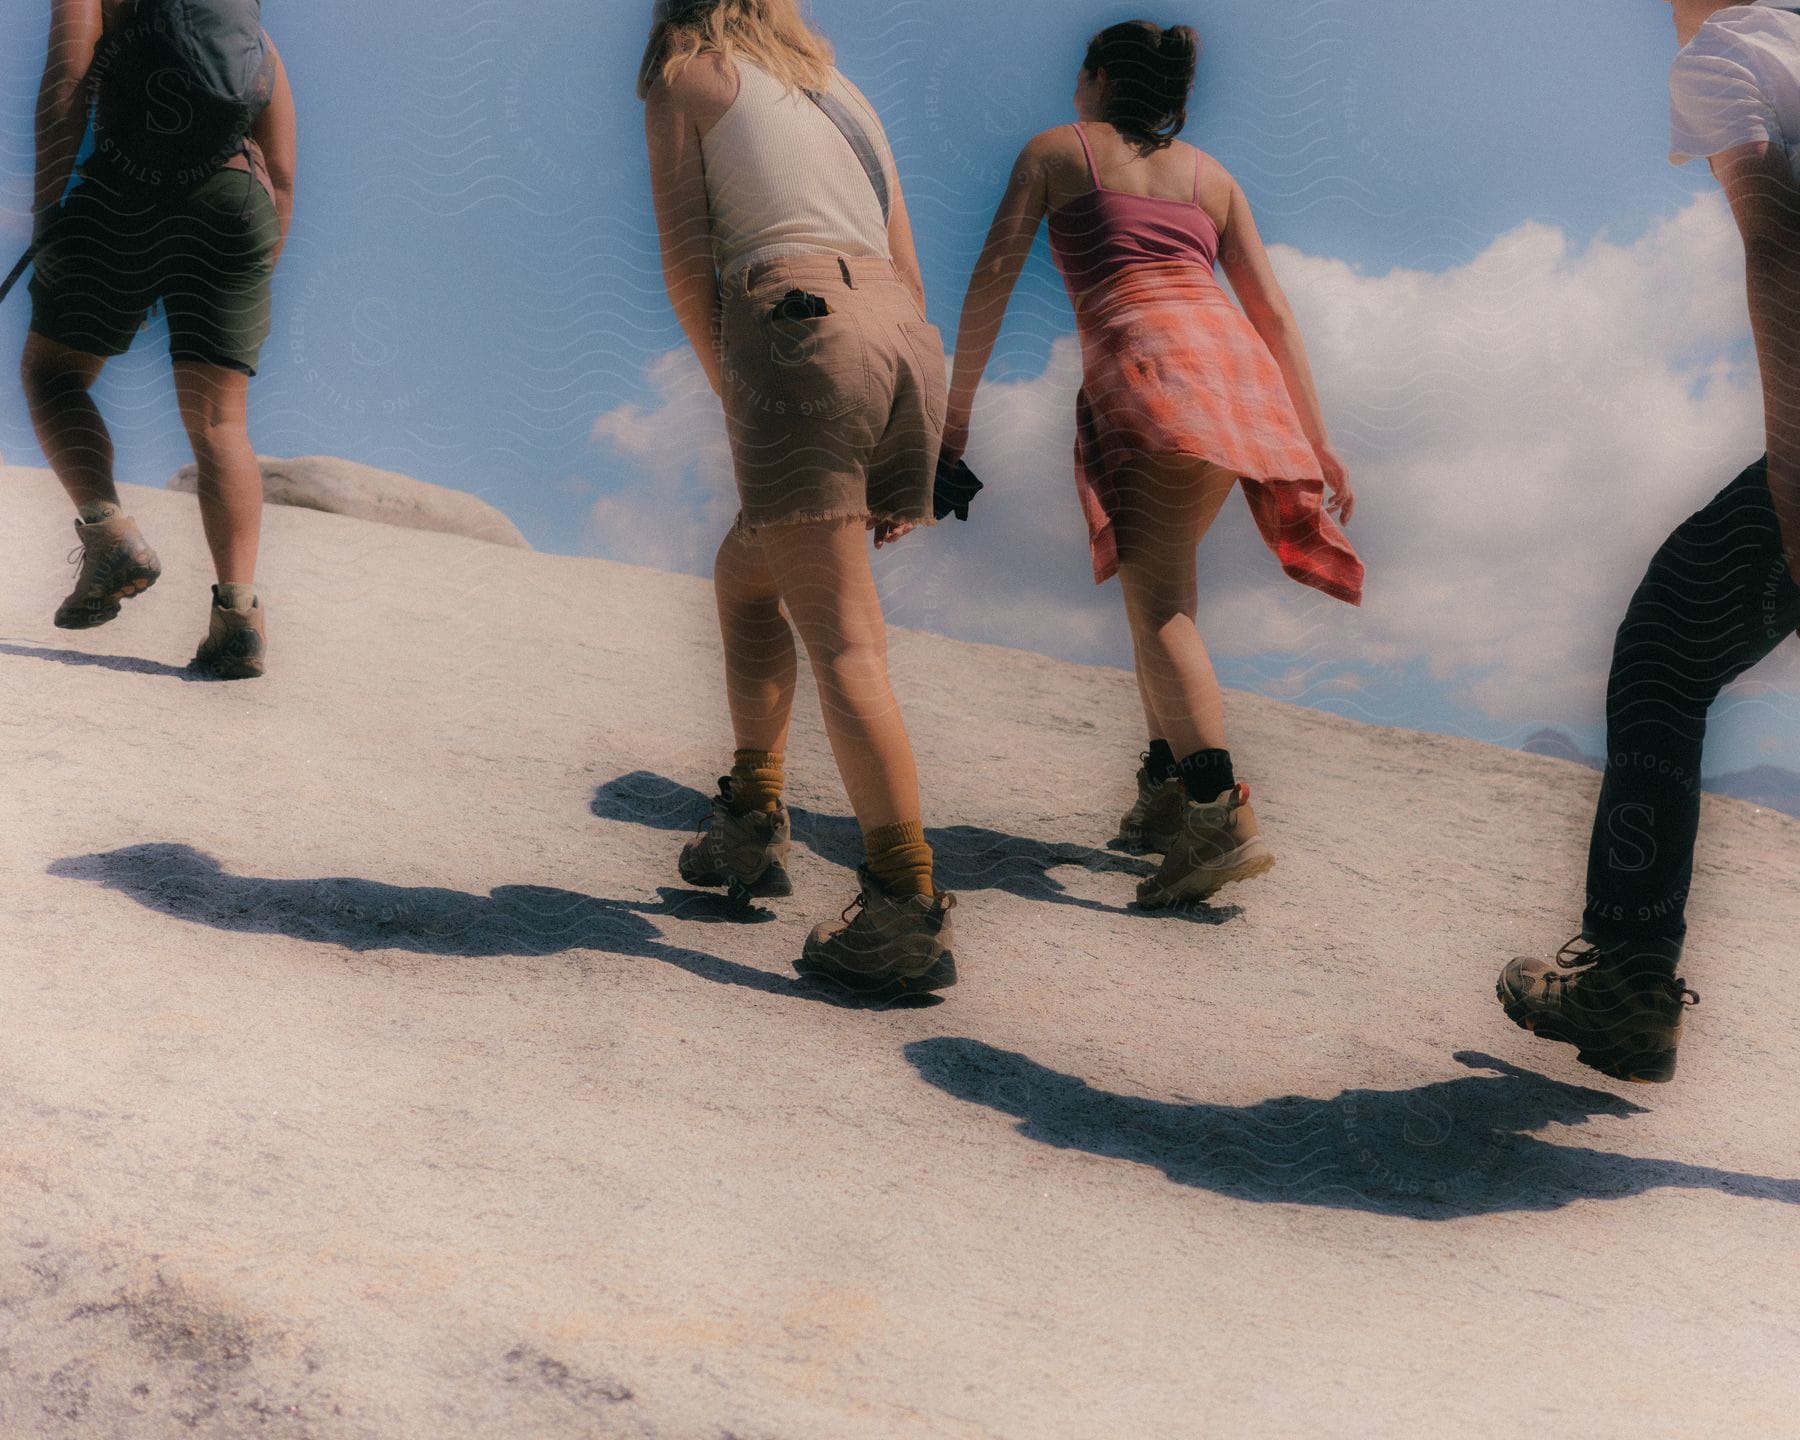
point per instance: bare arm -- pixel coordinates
(1759, 183)
(1010, 238)
(276, 134)
(1252, 277)
(62, 104)
(906, 265)
(684, 222)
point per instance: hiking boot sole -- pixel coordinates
(1139, 844)
(773, 884)
(1202, 885)
(1619, 1062)
(228, 669)
(105, 609)
(231, 662)
(940, 976)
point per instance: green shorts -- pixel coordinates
(208, 255)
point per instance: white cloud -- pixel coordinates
(1523, 431)
(1526, 430)
(685, 501)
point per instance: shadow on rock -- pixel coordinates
(968, 857)
(1444, 1151)
(125, 664)
(514, 921)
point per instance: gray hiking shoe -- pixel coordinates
(1624, 1021)
(1217, 844)
(1151, 824)
(116, 564)
(745, 854)
(894, 944)
(236, 645)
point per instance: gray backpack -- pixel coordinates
(179, 84)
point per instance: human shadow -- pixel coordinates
(124, 664)
(513, 921)
(1443, 1151)
(967, 857)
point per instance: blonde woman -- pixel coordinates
(790, 264)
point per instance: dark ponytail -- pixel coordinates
(1152, 75)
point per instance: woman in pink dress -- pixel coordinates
(1184, 397)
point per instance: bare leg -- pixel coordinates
(760, 660)
(214, 408)
(1167, 507)
(825, 579)
(1153, 729)
(69, 429)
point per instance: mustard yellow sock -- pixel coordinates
(900, 859)
(757, 778)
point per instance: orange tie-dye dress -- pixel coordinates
(1170, 366)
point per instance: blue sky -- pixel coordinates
(472, 280)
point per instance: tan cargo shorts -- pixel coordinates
(834, 394)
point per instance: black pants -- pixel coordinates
(1718, 599)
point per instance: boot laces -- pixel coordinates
(711, 817)
(1578, 954)
(1581, 955)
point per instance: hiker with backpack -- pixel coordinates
(1719, 597)
(790, 264)
(185, 202)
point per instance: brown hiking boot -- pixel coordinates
(1216, 844)
(1623, 1023)
(745, 854)
(895, 943)
(235, 643)
(116, 564)
(1150, 825)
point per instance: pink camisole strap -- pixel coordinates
(1094, 170)
(1097, 235)
(1088, 150)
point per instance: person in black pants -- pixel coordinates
(1717, 600)
(1720, 595)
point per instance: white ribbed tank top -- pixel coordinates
(782, 180)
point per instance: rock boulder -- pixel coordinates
(343, 487)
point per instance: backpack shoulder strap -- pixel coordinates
(842, 116)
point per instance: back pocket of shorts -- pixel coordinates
(817, 368)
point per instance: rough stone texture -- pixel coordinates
(369, 1075)
(343, 487)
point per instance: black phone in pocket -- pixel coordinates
(800, 305)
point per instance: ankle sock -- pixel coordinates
(1160, 763)
(900, 859)
(234, 597)
(96, 511)
(1207, 775)
(757, 779)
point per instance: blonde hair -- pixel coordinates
(771, 34)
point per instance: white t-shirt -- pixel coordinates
(1737, 82)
